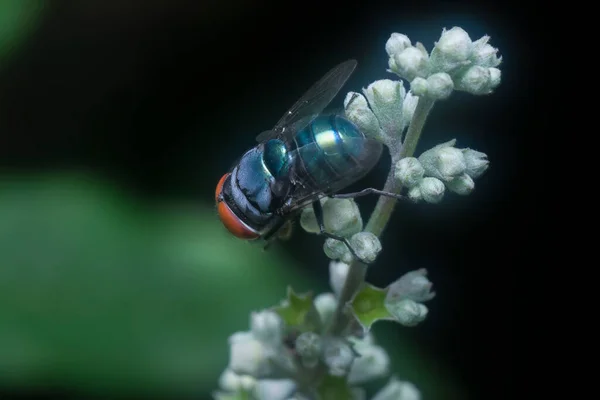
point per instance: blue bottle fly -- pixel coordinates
(306, 156)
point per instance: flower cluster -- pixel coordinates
(456, 62)
(288, 342)
(342, 217)
(440, 168)
(386, 114)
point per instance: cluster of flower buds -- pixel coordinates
(342, 217)
(384, 113)
(267, 363)
(439, 168)
(456, 62)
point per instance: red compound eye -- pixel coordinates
(232, 222)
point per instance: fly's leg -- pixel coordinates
(367, 191)
(319, 216)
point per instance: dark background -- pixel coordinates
(160, 97)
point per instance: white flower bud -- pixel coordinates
(410, 63)
(432, 190)
(338, 356)
(475, 80)
(462, 185)
(407, 312)
(357, 110)
(366, 245)
(274, 389)
(409, 171)
(396, 44)
(337, 250)
(408, 108)
(413, 285)
(309, 346)
(444, 163)
(386, 98)
(231, 382)
(419, 86)
(325, 303)
(266, 326)
(440, 86)
(248, 356)
(372, 363)
(414, 193)
(452, 51)
(340, 216)
(495, 77)
(484, 54)
(338, 271)
(398, 390)
(476, 161)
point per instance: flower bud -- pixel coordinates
(410, 63)
(232, 382)
(338, 356)
(274, 389)
(357, 110)
(476, 80)
(495, 77)
(414, 193)
(476, 161)
(337, 250)
(325, 303)
(413, 285)
(462, 185)
(444, 163)
(408, 108)
(340, 216)
(337, 276)
(371, 363)
(432, 190)
(386, 98)
(409, 171)
(396, 44)
(452, 51)
(398, 390)
(440, 86)
(266, 326)
(366, 246)
(248, 356)
(308, 346)
(407, 312)
(484, 54)
(419, 86)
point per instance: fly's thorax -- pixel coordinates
(260, 182)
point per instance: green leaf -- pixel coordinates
(368, 306)
(334, 388)
(295, 309)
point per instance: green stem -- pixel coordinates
(381, 214)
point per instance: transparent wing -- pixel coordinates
(316, 175)
(312, 102)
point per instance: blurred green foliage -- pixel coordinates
(18, 18)
(102, 293)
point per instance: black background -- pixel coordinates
(162, 96)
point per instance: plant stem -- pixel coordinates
(381, 214)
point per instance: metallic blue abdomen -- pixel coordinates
(329, 146)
